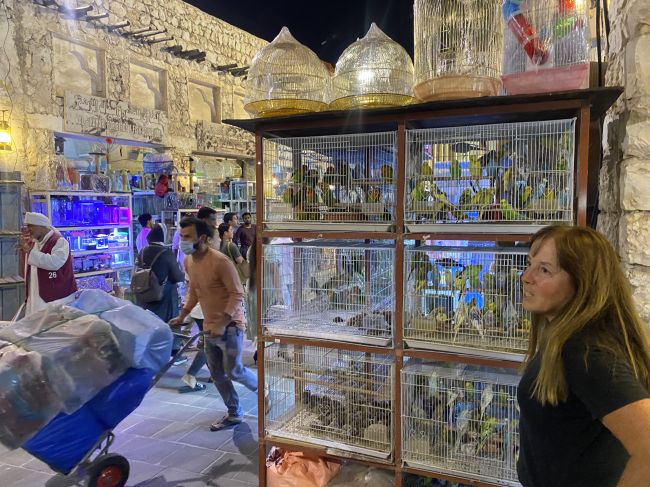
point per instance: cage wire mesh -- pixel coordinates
(514, 173)
(465, 297)
(341, 290)
(336, 398)
(326, 179)
(461, 419)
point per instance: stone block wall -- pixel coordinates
(30, 70)
(625, 173)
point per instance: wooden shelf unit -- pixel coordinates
(586, 106)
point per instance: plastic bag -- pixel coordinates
(298, 469)
(27, 399)
(96, 301)
(145, 340)
(49, 317)
(86, 350)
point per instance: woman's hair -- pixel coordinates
(223, 228)
(156, 234)
(602, 308)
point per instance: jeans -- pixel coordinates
(224, 361)
(199, 359)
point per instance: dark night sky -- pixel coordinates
(327, 27)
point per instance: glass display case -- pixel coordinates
(98, 228)
(12, 284)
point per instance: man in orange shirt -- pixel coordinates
(214, 284)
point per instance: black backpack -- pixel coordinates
(145, 285)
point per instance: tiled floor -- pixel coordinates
(168, 443)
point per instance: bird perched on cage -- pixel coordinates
(422, 270)
(474, 317)
(509, 317)
(475, 168)
(375, 324)
(455, 171)
(460, 316)
(508, 211)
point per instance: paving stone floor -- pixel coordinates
(168, 443)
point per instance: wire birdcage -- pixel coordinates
(458, 48)
(329, 290)
(374, 71)
(465, 298)
(514, 176)
(339, 182)
(546, 46)
(336, 398)
(285, 78)
(461, 420)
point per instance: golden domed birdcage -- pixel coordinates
(286, 78)
(374, 71)
(458, 48)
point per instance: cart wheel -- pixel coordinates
(110, 470)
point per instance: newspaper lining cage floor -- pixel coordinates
(335, 398)
(465, 297)
(513, 176)
(341, 290)
(330, 181)
(461, 420)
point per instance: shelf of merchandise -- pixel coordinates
(12, 284)
(40, 197)
(583, 106)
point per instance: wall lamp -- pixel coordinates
(5, 133)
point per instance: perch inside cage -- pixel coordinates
(461, 419)
(286, 78)
(466, 297)
(347, 178)
(510, 173)
(458, 48)
(326, 289)
(374, 71)
(546, 46)
(337, 398)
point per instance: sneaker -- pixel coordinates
(226, 422)
(196, 388)
(180, 361)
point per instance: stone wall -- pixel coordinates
(625, 174)
(43, 54)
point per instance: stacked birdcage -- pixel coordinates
(546, 46)
(461, 420)
(465, 298)
(330, 397)
(331, 182)
(341, 290)
(512, 176)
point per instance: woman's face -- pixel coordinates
(547, 287)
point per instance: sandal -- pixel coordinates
(196, 388)
(226, 422)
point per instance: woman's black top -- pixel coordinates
(165, 266)
(568, 445)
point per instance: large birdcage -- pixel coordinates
(286, 77)
(341, 290)
(328, 397)
(516, 177)
(458, 48)
(374, 71)
(465, 298)
(546, 46)
(461, 420)
(338, 182)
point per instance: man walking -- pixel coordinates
(214, 284)
(245, 235)
(50, 276)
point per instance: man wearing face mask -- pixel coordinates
(214, 284)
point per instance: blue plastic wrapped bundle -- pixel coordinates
(50, 317)
(84, 350)
(27, 399)
(64, 442)
(145, 340)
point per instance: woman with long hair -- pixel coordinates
(585, 407)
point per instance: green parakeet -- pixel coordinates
(454, 169)
(475, 168)
(509, 213)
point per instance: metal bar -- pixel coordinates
(150, 34)
(324, 344)
(449, 478)
(468, 359)
(328, 235)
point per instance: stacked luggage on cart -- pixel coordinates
(70, 374)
